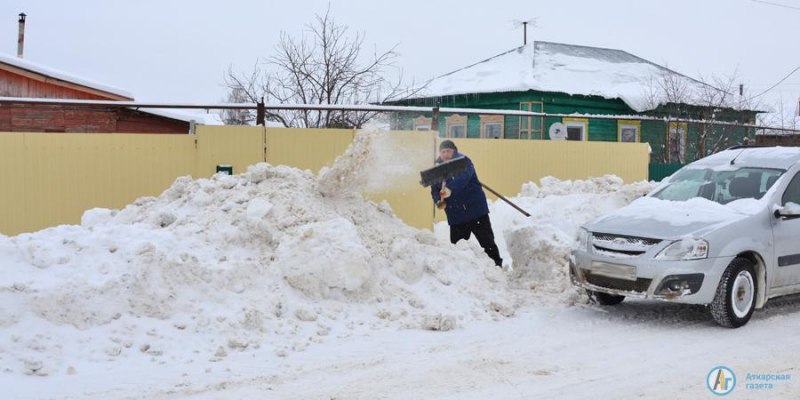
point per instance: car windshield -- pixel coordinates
(720, 186)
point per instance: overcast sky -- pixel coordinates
(178, 50)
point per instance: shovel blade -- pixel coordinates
(443, 171)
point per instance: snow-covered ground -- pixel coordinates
(280, 284)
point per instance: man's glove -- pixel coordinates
(445, 193)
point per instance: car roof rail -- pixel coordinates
(746, 146)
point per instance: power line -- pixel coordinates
(779, 82)
(775, 4)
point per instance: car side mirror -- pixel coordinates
(789, 211)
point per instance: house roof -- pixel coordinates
(778, 119)
(557, 67)
(57, 75)
(200, 118)
(118, 94)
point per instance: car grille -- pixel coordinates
(621, 246)
(639, 285)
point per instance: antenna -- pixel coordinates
(524, 24)
(733, 161)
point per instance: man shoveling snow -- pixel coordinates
(464, 202)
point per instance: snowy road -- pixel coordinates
(636, 350)
(257, 286)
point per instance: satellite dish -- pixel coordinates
(558, 131)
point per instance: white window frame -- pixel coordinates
(627, 126)
(450, 130)
(573, 124)
(485, 124)
(422, 128)
(682, 131)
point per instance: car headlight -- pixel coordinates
(582, 239)
(685, 249)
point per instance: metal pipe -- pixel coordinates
(21, 37)
(365, 108)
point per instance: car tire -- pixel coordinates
(736, 295)
(605, 299)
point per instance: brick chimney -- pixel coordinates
(21, 39)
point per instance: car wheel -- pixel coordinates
(605, 299)
(735, 299)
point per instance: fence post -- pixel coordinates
(435, 119)
(261, 113)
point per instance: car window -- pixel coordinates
(792, 192)
(720, 186)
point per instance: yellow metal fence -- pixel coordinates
(47, 179)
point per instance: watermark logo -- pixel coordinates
(721, 380)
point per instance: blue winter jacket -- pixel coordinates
(467, 200)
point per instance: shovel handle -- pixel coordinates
(501, 197)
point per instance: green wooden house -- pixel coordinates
(568, 79)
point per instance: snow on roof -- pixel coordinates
(785, 120)
(200, 118)
(62, 76)
(556, 67)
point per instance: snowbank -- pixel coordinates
(271, 262)
(231, 264)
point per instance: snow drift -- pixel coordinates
(270, 262)
(230, 263)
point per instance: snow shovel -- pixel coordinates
(443, 171)
(449, 169)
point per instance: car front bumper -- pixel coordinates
(642, 277)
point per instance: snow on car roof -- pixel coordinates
(61, 75)
(763, 157)
(557, 67)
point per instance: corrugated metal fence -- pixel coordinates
(47, 179)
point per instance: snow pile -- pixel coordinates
(376, 161)
(539, 246)
(262, 260)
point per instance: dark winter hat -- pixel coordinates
(448, 144)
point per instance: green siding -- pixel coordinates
(651, 132)
(511, 128)
(603, 130)
(474, 126)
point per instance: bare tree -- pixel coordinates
(669, 94)
(780, 116)
(323, 66)
(674, 96)
(237, 117)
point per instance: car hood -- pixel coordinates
(650, 217)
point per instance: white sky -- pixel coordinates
(178, 50)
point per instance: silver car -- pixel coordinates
(723, 231)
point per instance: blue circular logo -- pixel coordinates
(721, 380)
